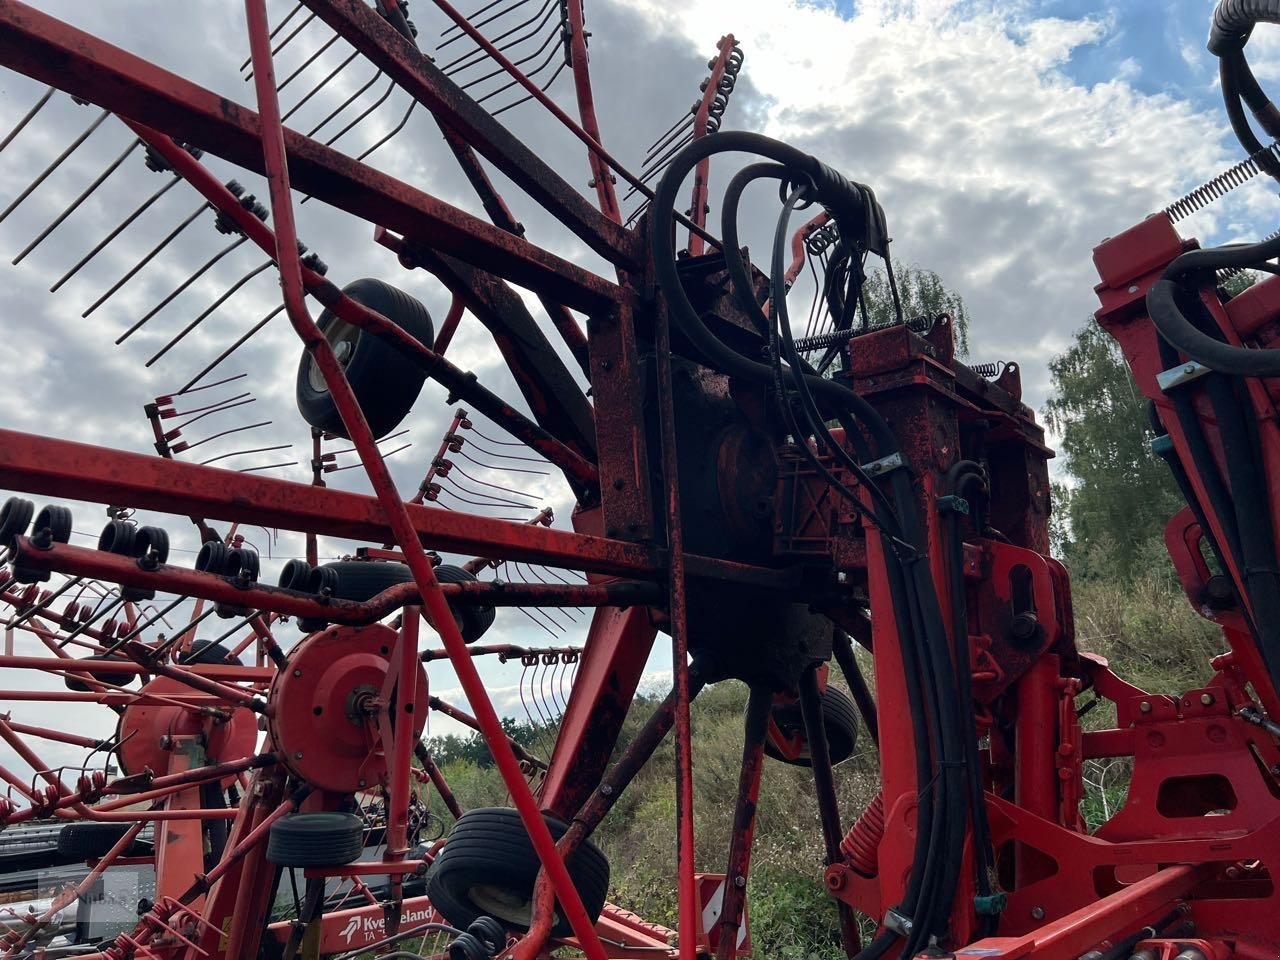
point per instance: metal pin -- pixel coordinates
(182, 286)
(212, 307)
(278, 27)
(320, 86)
(84, 195)
(146, 259)
(30, 115)
(230, 350)
(142, 208)
(44, 174)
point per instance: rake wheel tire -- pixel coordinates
(362, 580)
(385, 380)
(316, 840)
(207, 651)
(89, 839)
(839, 717)
(102, 676)
(15, 517)
(488, 867)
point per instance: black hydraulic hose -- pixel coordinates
(1237, 428)
(713, 349)
(962, 476)
(1173, 325)
(739, 273)
(1183, 482)
(848, 663)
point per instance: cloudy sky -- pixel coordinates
(1004, 140)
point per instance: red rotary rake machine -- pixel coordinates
(767, 500)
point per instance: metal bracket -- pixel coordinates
(1181, 374)
(877, 467)
(897, 922)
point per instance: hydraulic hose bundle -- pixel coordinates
(807, 401)
(1237, 496)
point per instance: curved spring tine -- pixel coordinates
(479, 23)
(453, 67)
(57, 162)
(84, 195)
(229, 432)
(208, 310)
(529, 76)
(346, 103)
(321, 85)
(285, 42)
(124, 224)
(523, 60)
(238, 453)
(27, 118)
(231, 349)
(278, 27)
(661, 143)
(173, 234)
(681, 121)
(394, 130)
(528, 96)
(307, 62)
(368, 110)
(204, 268)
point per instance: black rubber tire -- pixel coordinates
(15, 518)
(488, 848)
(154, 540)
(57, 520)
(102, 676)
(294, 575)
(386, 381)
(840, 717)
(207, 651)
(316, 840)
(212, 557)
(91, 839)
(362, 580)
(118, 537)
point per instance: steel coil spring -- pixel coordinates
(1223, 183)
(1228, 273)
(988, 371)
(861, 845)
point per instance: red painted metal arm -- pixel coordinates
(62, 468)
(54, 52)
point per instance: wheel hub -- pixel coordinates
(324, 708)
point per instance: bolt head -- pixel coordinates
(1037, 913)
(1133, 288)
(297, 755)
(1206, 699)
(1145, 706)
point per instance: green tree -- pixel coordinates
(922, 294)
(1112, 515)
